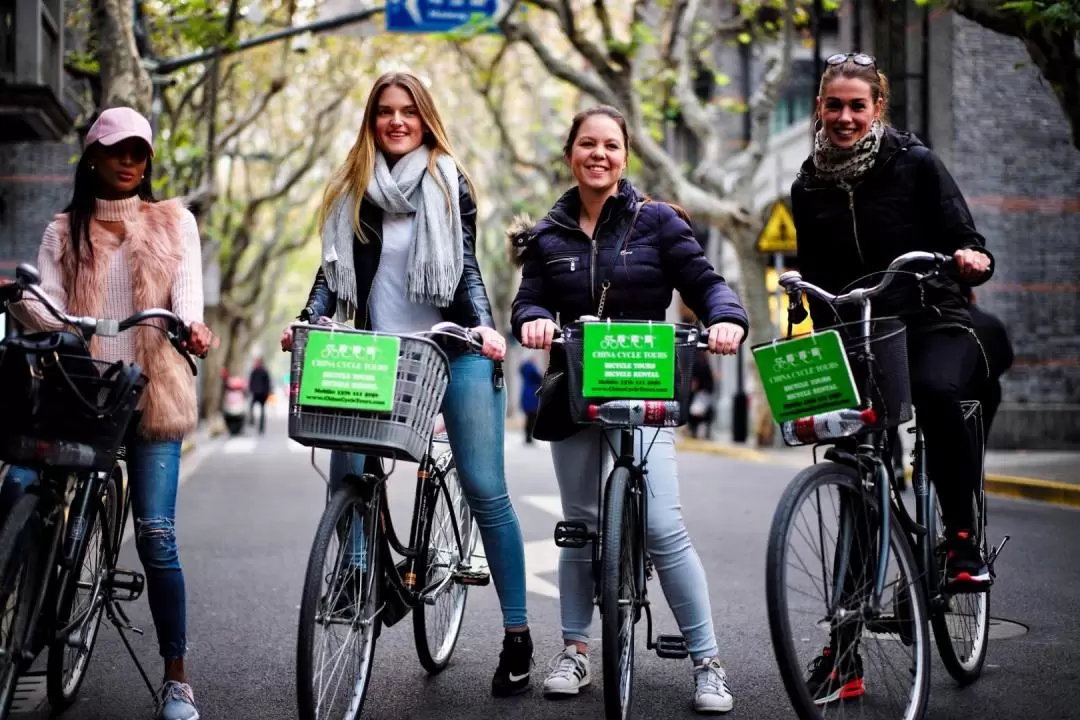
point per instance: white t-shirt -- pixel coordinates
(391, 310)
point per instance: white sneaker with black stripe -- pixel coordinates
(711, 691)
(569, 673)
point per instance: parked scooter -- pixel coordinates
(234, 405)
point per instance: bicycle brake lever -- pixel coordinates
(176, 343)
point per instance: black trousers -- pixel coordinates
(942, 364)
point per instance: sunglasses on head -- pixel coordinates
(858, 58)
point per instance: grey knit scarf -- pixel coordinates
(846, 165)
(436, 258)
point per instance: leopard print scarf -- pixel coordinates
(844, 166)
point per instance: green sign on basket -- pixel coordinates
(629, 360)
(806, 376)
(352, 371)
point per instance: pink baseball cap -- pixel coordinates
(120, 123)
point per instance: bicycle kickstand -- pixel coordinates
(122, 623)
(994, 555)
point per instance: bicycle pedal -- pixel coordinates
(572, 534)
(671, 647)
(124, 585)
(477, 578)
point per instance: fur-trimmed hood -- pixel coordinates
(519, 233)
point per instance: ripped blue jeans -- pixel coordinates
(154, 473)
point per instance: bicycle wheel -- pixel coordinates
(620, 563)
(436, 626)
(961, 622)
(82, 596)
(20, 581)
(807, 613)
(339, 620)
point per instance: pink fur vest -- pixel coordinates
(155, 250)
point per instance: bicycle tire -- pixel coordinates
(312, 602)
(62, 694)
(618, 555)
(788, 662)
(26, 559)
(965, 672)
(436, 661)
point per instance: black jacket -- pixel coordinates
(563, 272)
(470, 306)
(907, 202)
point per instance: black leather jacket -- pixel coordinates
(470, 306)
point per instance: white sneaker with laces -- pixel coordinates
(569, 672)
(711, 691)
(176, 701)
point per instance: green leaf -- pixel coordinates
(721, 79)
(744, 38)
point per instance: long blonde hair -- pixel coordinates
(352, 178)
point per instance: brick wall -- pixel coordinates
(1011, 156)
(35, 183)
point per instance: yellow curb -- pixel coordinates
(712, 448)
(1050, 491)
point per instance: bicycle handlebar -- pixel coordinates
(558, 337)
(27, 279)
(471, 337)
(793, 283)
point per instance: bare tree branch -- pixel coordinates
(694, 113)
(589, 82)
(777, 72)
(255, 109)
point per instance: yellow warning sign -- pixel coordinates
(778, 235)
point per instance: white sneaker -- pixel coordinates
(711, 691)
(569, 672)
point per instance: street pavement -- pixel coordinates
(248, 510)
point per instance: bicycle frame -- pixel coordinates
(429, 481)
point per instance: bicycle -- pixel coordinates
(67, 416)
(872, 524)
(387, 410)
(621, 567)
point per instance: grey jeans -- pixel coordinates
(580, 463)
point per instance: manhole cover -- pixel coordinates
(1002, 629)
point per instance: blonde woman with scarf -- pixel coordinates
(113, 251)
(399, 236)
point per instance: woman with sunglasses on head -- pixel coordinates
(115, 250)
(868, 194)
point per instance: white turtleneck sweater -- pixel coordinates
(187, 290)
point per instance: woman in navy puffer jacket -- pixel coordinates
(575, 262)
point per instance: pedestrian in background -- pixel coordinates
(531, 377)
(260, 387)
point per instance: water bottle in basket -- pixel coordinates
(653, 413)
(826, 426)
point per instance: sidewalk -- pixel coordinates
(1048, 476)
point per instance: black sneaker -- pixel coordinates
(965, 568)
(341, 598)
(829, 682)
(515, 665)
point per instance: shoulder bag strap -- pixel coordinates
(618, 249)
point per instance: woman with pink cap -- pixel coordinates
(113, 251)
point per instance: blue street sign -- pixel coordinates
(435, 16)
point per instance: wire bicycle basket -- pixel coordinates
(403, 432)
(56, 395)
(686, 340)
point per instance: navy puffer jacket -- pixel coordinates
(561, 282)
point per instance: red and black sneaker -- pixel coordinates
(831, 681)
(965, 568)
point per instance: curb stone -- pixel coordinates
(1048, 491)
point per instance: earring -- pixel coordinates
(92, 166)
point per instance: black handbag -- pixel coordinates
(553, 421)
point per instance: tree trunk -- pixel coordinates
(124, 81)
(755, 298)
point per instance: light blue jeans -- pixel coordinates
(580, 463)
(475, 414)
(154, 473)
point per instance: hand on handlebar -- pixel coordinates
(200, 339)
(494, 343)
(971, 264)
(724, 338)
(538, 334)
